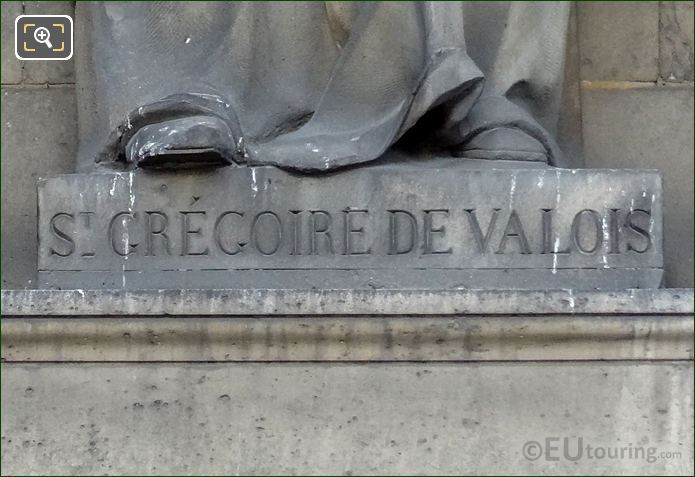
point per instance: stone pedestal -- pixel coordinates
(338, 382)
(436, 224)
(373, 320)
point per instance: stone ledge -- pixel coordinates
(239, 302)
(332, 325)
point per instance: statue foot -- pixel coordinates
(503, 143)
(496, 128)
(187, 142)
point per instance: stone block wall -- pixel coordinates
(333, 419)
(636, 88)
(39, 139)
(346, 383)
(628, 103)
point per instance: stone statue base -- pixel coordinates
(182, 372)
(435, 224)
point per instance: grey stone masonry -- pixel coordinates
(439, 225)
(38, 139)
(349, 418)
(650, 127)
(619, 40)
(676, 41)
(345, 325)
(344, 381)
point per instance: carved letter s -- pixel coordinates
(62, 235)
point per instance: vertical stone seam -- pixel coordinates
(659, 43)
(21, 63)
(579, 82)
(580, 78)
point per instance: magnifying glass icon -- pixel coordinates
(42, 35)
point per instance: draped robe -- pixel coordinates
(317, 85)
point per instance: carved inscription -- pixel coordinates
(351, 231)
(364, 224)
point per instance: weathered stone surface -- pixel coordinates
(49, 8)
(388, 226)
(285, 325)
(52, 72)
(354, 338)
(325, 418)
(411, 418)
(619, 40)
(38, 140)
(120, 303)
(650, 127)
(676, 41)
(11, 66)
(569, 128)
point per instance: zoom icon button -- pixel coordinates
(43, 37)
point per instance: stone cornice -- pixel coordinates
(357, 326)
